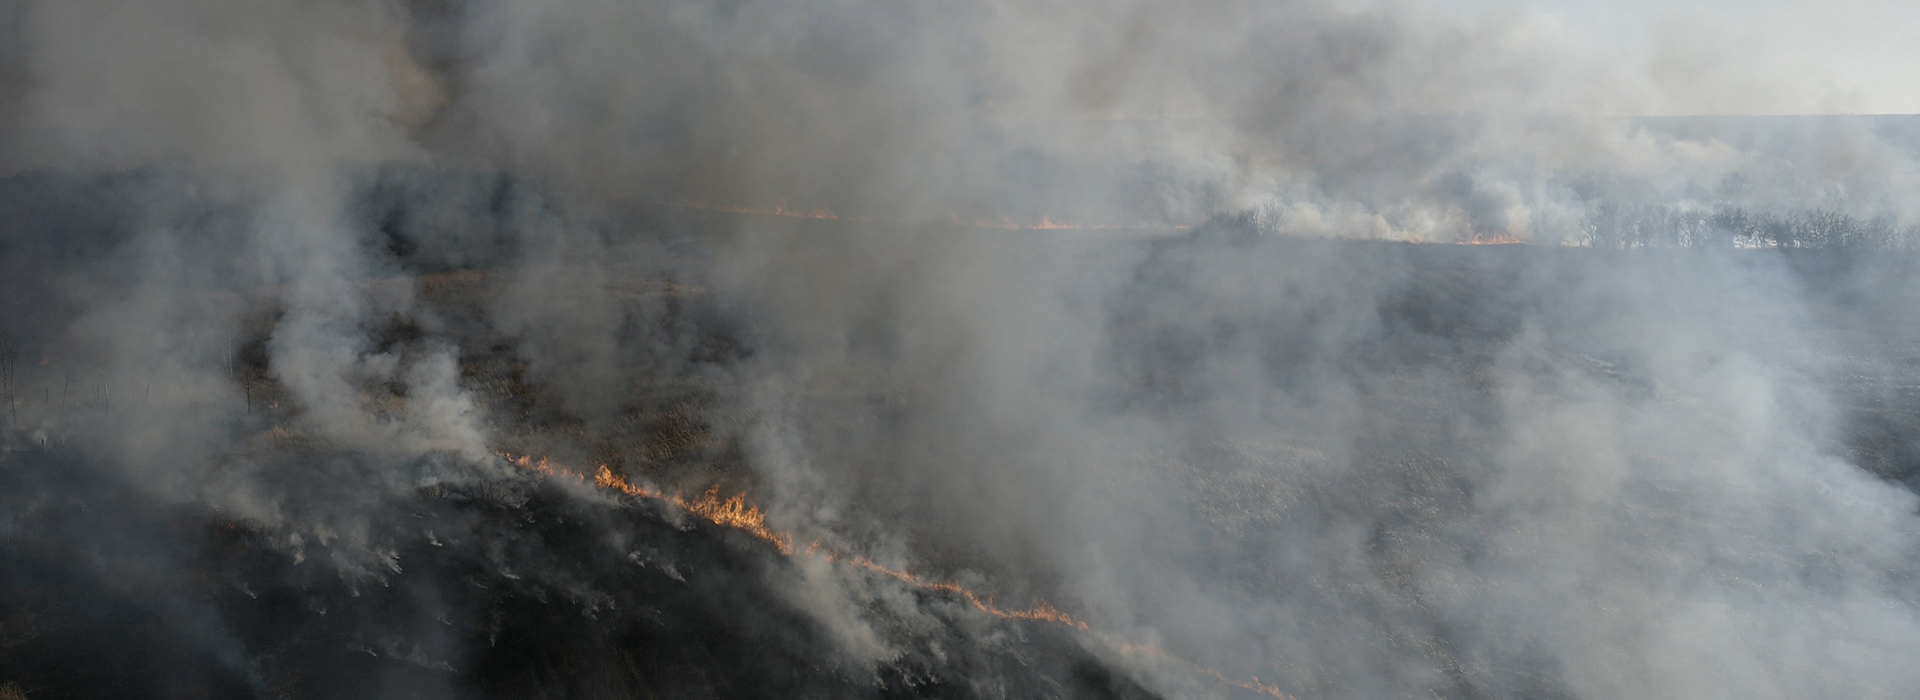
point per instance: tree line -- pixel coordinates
(1614, 224)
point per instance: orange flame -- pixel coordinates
(1044, 612)
(735, 513)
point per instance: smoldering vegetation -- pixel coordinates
(1428, 426)
(1108, 349)
(291, 565)
(494, 587)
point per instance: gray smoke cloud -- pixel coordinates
(1029, 297)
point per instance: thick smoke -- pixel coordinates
(1111, 305)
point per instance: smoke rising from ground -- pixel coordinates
(1103, 304)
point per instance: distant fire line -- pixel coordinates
(1046, 223)
(1494, 240)
(734, 512)
(1004, 223)
(780, 209)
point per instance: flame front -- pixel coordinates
(736, 513)
(1043, 612)
(732, 512)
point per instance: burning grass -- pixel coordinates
(735, 513)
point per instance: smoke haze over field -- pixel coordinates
(1108, 310)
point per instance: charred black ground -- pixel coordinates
(477, 580)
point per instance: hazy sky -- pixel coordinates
(1772, 56)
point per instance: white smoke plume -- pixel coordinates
(1103, 303)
